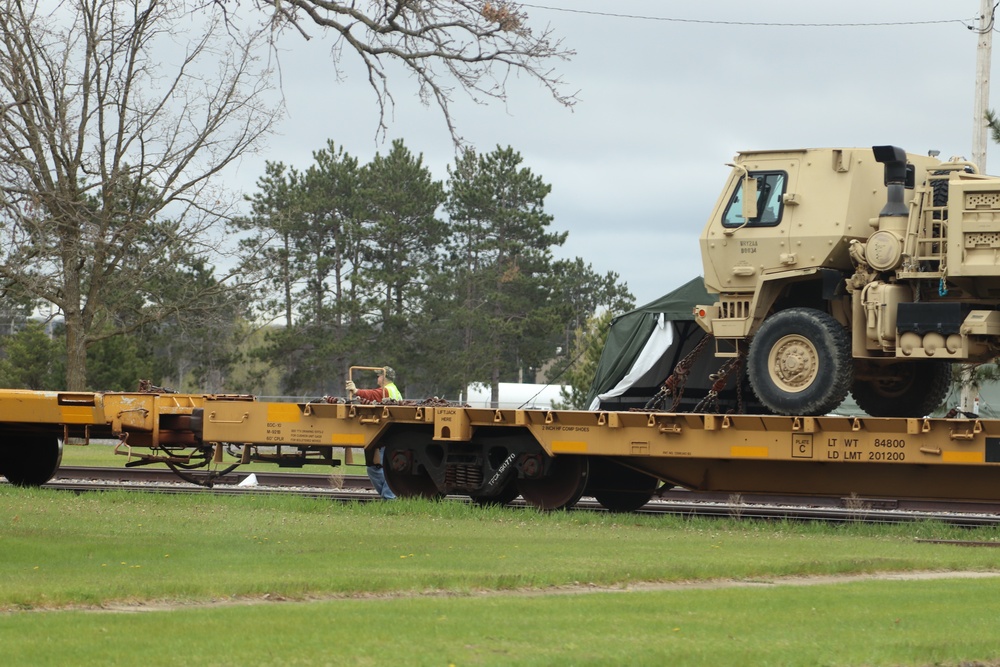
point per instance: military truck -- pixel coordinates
(859, 270)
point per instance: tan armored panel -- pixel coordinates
(974, 231)
(830, 196)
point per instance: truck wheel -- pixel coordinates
(904, 389)
(800, 362)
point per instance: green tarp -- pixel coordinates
(631, 334)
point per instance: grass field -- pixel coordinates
(123, 578)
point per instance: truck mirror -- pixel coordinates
(750, 197)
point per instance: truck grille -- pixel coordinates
(734, 309)
(981, 200)
(982, 239)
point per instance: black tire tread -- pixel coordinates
(837, 365)
(930, 386)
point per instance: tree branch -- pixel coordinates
(448, 45)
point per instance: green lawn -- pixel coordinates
(264, 580)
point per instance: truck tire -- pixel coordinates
(800, 362)
(904, 389)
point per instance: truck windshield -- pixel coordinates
(770, 188)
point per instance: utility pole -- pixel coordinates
(969, 398)
(984, 50)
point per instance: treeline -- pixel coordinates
(343, 263)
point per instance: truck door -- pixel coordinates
(742, 248)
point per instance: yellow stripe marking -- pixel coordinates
(569, 446)
(77, 414)
(963, 457)
(749, 452)
(283, 412)
(347, 439)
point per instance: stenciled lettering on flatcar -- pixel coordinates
(886, 456)
(844, 449)
(802, 446)
(307, 436)
(501, 470)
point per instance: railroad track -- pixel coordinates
(235, 478)
(671, 501)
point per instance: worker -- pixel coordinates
(386, 387)
(386, 390)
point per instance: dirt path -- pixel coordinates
(574, 589)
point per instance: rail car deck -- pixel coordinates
(549, 457)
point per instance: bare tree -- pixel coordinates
(116, 119)
(472, 46)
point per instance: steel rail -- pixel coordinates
(674, 494)
(676, 502)
(164, 475)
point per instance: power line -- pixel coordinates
(964, 22)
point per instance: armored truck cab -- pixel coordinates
(853, 270)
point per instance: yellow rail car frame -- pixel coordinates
(892, 457)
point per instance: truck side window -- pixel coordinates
(770, 188)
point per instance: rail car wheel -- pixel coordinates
(406, 479)
(560, 488)
(800, 362)
(903, 389)
(620, 489)
(504, 497)
(33, 461)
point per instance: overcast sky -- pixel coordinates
(637, 164)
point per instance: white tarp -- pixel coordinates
(659, 341)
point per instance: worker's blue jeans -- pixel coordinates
(377, 476)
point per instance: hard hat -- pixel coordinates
(389, 373)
